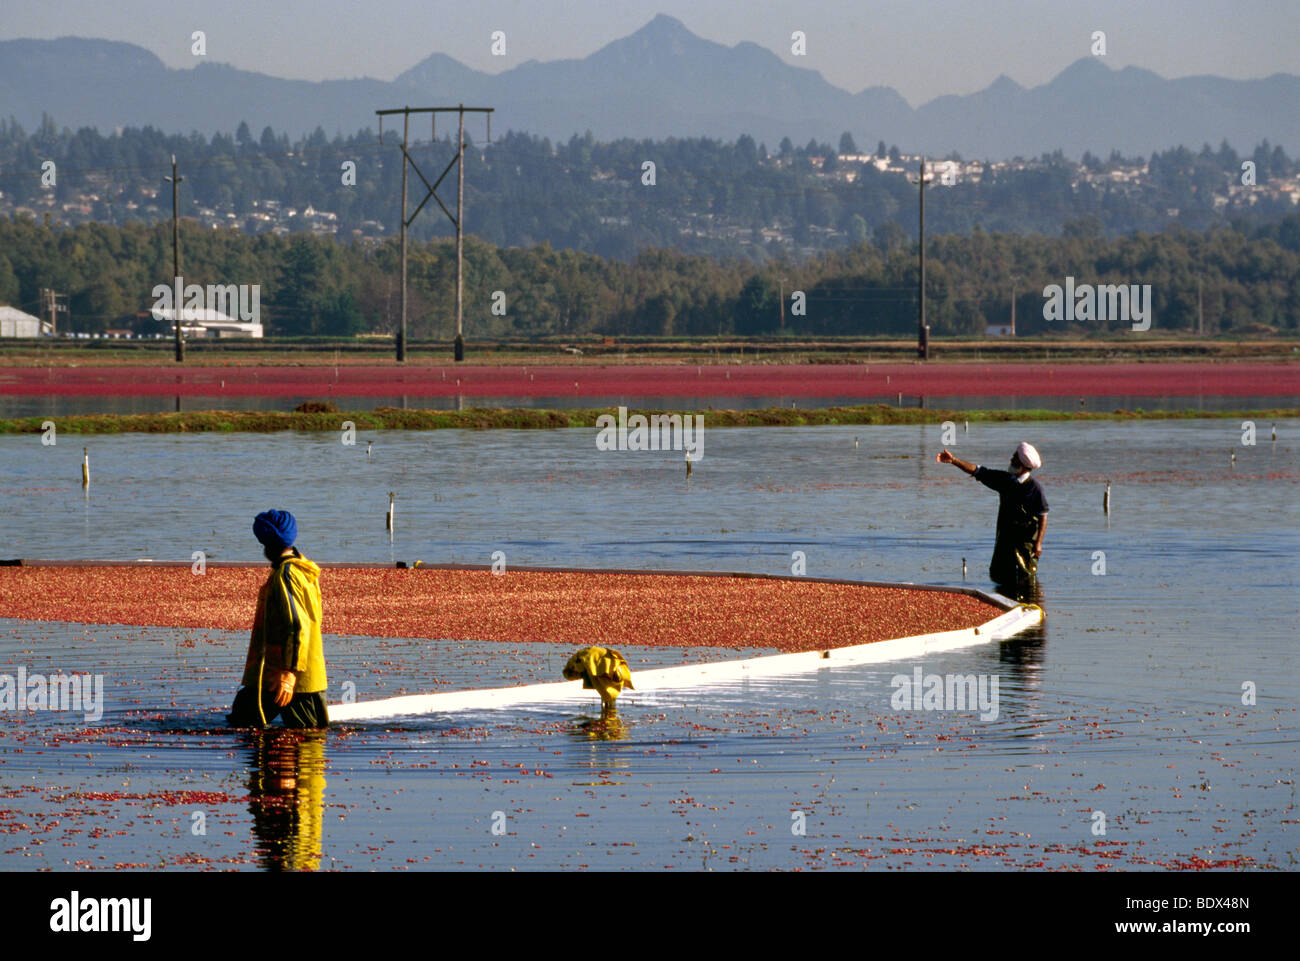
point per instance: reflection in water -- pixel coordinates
(610, 766)
(286, 784)
(1022, 658)
(1022, 655)
(1026, 590)
(608, 727)
(63, 405)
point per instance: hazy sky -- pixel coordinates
(922, 48)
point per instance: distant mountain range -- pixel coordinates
(661, 81)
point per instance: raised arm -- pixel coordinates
(945, 457)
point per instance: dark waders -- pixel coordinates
(304, 710)
(1014, 565)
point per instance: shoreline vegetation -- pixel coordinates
(324, 417)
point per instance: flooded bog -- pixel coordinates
(1151, 723)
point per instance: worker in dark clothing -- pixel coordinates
(1022, 516)
(284, 672)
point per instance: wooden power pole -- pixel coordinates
(175, 180)
(922, 329)
(1200, 306)
(432, 191)
(51, 307)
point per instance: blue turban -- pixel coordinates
(275, 529)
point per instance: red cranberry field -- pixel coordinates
(634, 381)
(569, 608)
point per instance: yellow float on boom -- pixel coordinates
(600, 668)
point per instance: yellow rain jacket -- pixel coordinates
(286, 628)
(602, 669)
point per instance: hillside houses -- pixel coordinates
(106, 197)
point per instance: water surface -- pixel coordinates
(1128, 702)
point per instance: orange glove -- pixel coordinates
(284, 691)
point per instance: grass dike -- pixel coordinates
(324, 416)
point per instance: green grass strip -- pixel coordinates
(393, 418)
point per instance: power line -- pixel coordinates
(458, 220)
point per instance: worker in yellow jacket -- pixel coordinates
(286, 658)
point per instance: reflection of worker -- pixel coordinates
(1022, 515)
(286, 798)
(286, 658)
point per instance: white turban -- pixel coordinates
(1026, 454)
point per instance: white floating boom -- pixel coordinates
(1006, 625)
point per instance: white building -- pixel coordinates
(17, 323)
(205, 322)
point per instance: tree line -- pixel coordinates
(1243, 277)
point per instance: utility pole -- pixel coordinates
(922, 341)
(1200, 307)
(401, 333)
(1013, 305)
(780, 299)
(460, 238)
(50, 306)
(922, 329)
(175, 180)
(458, 220)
